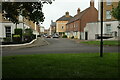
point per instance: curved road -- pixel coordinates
(59, 46)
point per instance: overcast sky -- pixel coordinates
(58, 8)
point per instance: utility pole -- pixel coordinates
(101, 43)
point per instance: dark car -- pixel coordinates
(48, 36)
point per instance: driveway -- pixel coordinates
(59, 45)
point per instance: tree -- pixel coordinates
(30, 10)
(116, 12)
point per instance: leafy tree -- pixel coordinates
(116, 12)
(30, 10)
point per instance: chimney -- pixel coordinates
(67, 14)
(92, 3)
(78, 11)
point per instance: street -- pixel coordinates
(59, 45)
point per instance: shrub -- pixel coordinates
(7, 39)
(28, 35)
(64, 36)
(18, 31)
(16, 38)
(16, 35)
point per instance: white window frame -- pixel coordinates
(108, 28)
(108, 15)
(7, 31)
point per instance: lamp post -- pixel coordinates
(101, 42)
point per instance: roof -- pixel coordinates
(64, 18)
(53, 24)
(78, 16)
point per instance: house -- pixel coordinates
(42, 29)
(52, 27)
(46, 32)
(61, 23)
(110, 30)
(7, 27)
(76, 25)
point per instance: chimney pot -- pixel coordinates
(78, 11)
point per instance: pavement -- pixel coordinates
(40, 41)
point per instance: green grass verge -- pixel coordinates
(109, 43)
(83, 65)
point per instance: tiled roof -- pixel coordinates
(78, 16)
(64, 18)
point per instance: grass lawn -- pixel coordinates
(109, 43)
(81, 65)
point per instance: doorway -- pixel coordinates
(86, 35)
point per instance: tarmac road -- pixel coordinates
(59, 45)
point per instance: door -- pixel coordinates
(86, 35)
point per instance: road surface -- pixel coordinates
(59, 45)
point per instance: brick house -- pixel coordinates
(110, 24)
(76, 25)
(61, 23)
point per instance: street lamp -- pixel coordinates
(101, 42)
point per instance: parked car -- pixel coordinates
(55, 36)
(48, 36)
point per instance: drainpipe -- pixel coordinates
(80, 29)
(36, 30)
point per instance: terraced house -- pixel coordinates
(76, 25)
(110, 24)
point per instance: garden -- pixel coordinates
(20, 36)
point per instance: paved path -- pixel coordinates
(59, 46)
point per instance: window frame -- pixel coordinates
(108, 15)
(108, 2)
(8, 31)
(108, 28)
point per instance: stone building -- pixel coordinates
(61, 23)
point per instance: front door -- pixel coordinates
(86, 35)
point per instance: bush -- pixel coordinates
(16, 35)
(16, 38)
(18, 31)
(7, 39)
(64, 36)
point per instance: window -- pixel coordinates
(108, 2)
(8, 31)
(62, 27)
(108, 15)
(108, 28)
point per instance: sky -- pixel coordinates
(58, 8)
